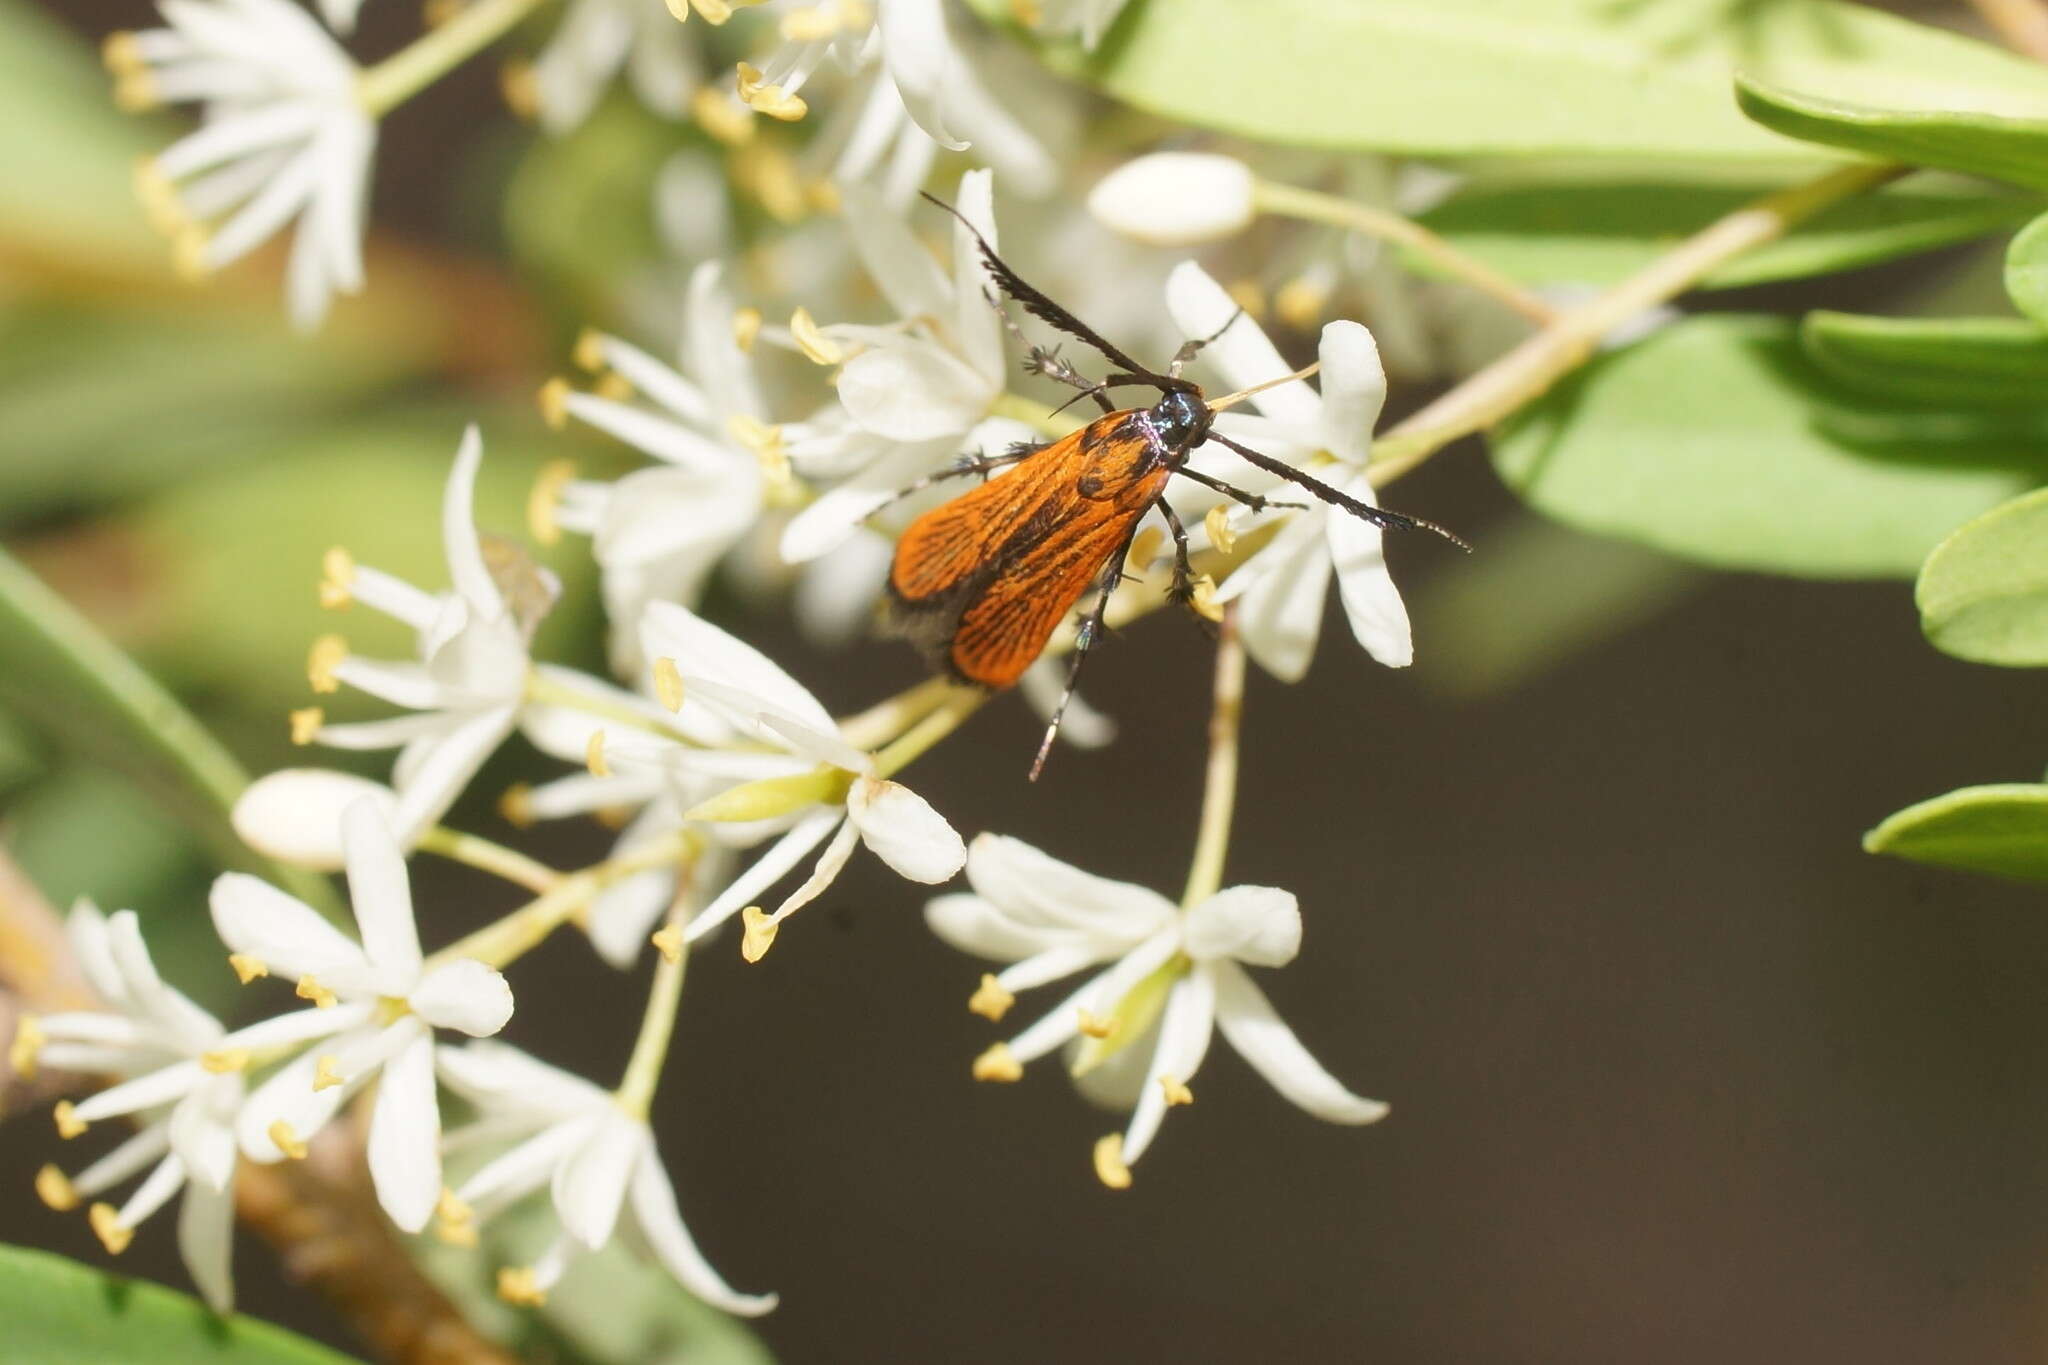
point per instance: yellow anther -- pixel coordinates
(337, 578)
(69, 1125)
(1109, 1162)
(122, 53)
(309, 989)
(764, 98)
(325, 1077)
(680, 9)
(589, 351)
(106, 1223)
(286, 1140)
(668, 683)
(818, 348)
(764, 442)
(544, 501)
(516, 805)
(1246, 294)
(1176, 1089)
(554, 403)
(135, 93)
(771, 174)
(53, 1187)
(812, 25)
(613, 817)
(1028, 13)
(824, 196)
(322, 659)
(449, 1208)
(997, 1064)
(26, 1047)
(1143, 549)
(454, 1221)
(1095, 1026)
(669, 943)
(306, 723)
(226, 1060)
(1217, 524)
(520, 88)
(613, 386)
(516, 1285)
(593, 755)
(722, 116)
(1299, 302)
(1204, 601)
(746, 326)
(159, 198)
(435, 13)
(990, 1001)
(759, 934)
(188, 253)
(248, 967)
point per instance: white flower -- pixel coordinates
(595, 40)
(1282, 586)
(1184, 969)
(285, 136)
(597, 1161)
(1089, 18)
(185, 1084)
(294, 814)
(731, 685)
(657, 533)
(377, 1002)
(1176, 198)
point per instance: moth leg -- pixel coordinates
(1182, 590)
(1192, 347)
(1091, 630)
(966, 464)
(1258, 502)
(1047, 360)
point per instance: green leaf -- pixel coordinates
(1534, 77)
(1597, 228)
(1998, 128)
(58, 1312)
(1983, 594)
(66, 676)
(1961, 362)
(1999, 829)
(1716, 440)
(2026, 270)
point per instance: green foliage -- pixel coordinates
(2000, 829)
(1983, 594)
(58, 1312)
(1542, 77)
(1998, 128)
(1598, 228)
(1963, 362)
(2026, 270)
(1717, 440)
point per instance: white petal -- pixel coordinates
(977, 329)
(904, 831)
(1175, 199)
(836, 599)
(590, 1187)
(1183, 1041)
(839, 511)
(294, 814)
(1055, 900)
(466, 568)
(206, 1244)
(1283, 609)
(1260, 925)
(203, 1134)
(1252, 1026)
(624, 914)
(892, 256)
(380, 892)
(442, 768)
(1199, 306)
(700, 648)
(287, 935)
(1372, 604)
(922, 62)
(144, 1092)
(661, 1223)
(288, 1096)
(404, 1150)
(299, 1026)
(824, 872)
(494, 1075)
(972, 925)
(1354, 385)
(913, 392)
(764, 871)
(86, 928)
(464, 995)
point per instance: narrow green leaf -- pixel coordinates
(1999, 130)
(66, 676)
(2026, 270)
(1960, 362)
(55, 1311)
(1598, 229)
(1999, 829)
(1983, 594)
(1716, 440)
(1478, 77)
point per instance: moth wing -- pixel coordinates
(1003, 629)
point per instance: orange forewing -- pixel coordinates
(983, 581)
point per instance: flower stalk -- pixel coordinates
(435, 53)
(508, 939)
(657, 1027)
(484, 855)
(1219, 783)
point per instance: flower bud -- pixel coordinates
(1175, 198)
(294, 814)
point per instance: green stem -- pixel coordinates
(504, 941)
(1219, 784)
(887, 719)
(1527, 372)
(962, 703)
(478, 852)
(657, 1028)
(434, 54)
(1291, 201)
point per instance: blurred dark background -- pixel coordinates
(1677, 1072)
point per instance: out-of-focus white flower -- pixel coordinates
(1283, 585)
(1175, 198)
(762, 707)
(184, 1082)
(595, 41)
(285, 136)
(294, 814)
(657, 533)
(597, 1161)
(1088, 18)
(376, 1001)
(1181, 969)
